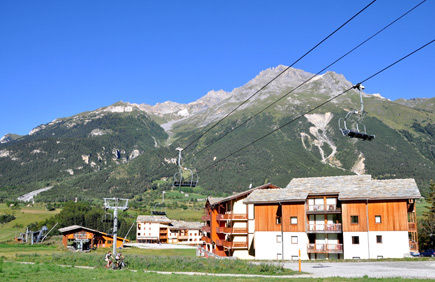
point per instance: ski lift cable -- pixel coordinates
(282, 72)
(317, 107)
(312, 77)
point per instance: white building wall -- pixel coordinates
(242, 254)
(239, 207)
(148, 230)
(395, 244)
(352, 250)
(268, 248)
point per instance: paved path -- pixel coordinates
(378, 269)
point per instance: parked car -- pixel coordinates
(428, 253)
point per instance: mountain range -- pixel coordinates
(125, 149)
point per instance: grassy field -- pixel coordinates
(24, 216)
(46, 272)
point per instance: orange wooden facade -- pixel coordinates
(266, 217)
(393, 216)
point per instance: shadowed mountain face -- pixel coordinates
(125, 149)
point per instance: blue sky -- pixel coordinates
(59, 58)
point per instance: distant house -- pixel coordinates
(83, 238)
(338, 217)
(152, 229)
(183, 232)
(160, 229)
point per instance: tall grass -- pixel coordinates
(162, 263)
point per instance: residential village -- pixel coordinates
(316, 218)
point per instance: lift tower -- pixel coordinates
(115, 204)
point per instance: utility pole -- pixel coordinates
(115, 204)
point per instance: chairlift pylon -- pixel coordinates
(355, 117)
(179, 179)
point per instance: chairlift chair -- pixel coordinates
(157, 211)
(179, 180)
(356, 128)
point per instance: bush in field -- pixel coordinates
(5, 218)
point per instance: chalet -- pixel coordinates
(83, 238)
(160, 229)
(322, 217)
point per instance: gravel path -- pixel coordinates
(379, 269)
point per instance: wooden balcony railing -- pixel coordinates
(229, 230)
(412, 227)
(206, 217)
(323, 208)
(235, 245)
(232, 216)
(206, 228)
(324, 228)
(325, 248)
(206, 239)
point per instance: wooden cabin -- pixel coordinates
(83, 238)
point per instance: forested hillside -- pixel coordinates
(126, 149)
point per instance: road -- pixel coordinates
(29, 196)
(377, 269)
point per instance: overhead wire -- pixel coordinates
(316, 107)
(313, 76)
(263, 87)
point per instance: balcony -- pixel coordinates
(230, 230)
(206, 239)
(325, 248)
(235, 245)
(323, 209)
(206, 217)
(206, 228)
(232, 216)
(412, 227)
(324, 228)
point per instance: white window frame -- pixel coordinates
(294, 220)
(294, 239)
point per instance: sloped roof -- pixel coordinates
(77, 227)
(214, 201)
(179, 224)
(351, 187)
(153, 218)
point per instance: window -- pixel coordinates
(278, 238)
(295, 257)
(379, 239)
(380, 257)
(293, 220)
(278, 220)
(354, 219)
(294, 239)
(138, 234)
(378, 219)
(355, 240)
(139, 226)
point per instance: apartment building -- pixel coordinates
(229, 224)
(152, 228)
(324, 218)
(161, 229)
(185, 233)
